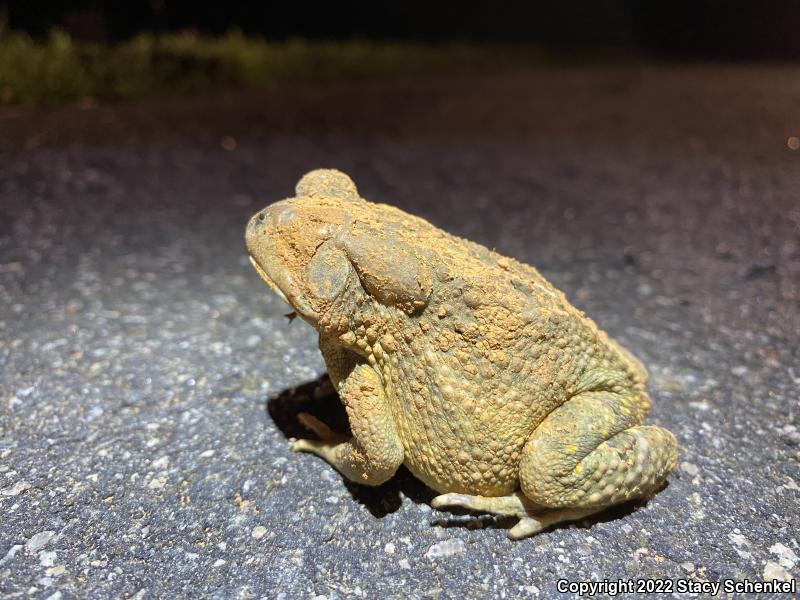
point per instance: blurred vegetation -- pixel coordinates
(58, 69)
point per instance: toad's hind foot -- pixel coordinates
(533, 518)
(515, 505)
(531, 525)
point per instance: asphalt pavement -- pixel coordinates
(149, 381)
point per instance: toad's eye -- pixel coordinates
(327, 272)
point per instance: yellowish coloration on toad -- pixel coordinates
(464, 365)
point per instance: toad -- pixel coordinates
(466, 366)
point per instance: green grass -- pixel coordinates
(59, 70)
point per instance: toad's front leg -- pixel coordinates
(375, 451)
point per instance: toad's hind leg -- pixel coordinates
(587, 455)
(591, 453)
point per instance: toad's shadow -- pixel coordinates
(320, 399)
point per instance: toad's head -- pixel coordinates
(327, 251)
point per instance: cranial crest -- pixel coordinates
(389, 269)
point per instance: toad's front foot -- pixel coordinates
(374, 452)
(327, 437)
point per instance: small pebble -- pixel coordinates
(786, 556)
(39, 541)
(16, 489)
(773, 570)
(446, 548)
(10, 554)
(161, 463)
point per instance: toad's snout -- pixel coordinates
(271, 218)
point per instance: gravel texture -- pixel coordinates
(149, 381)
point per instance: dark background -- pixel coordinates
(674, 29)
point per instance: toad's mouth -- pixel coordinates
(268, 280)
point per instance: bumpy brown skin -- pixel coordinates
(464, 365)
